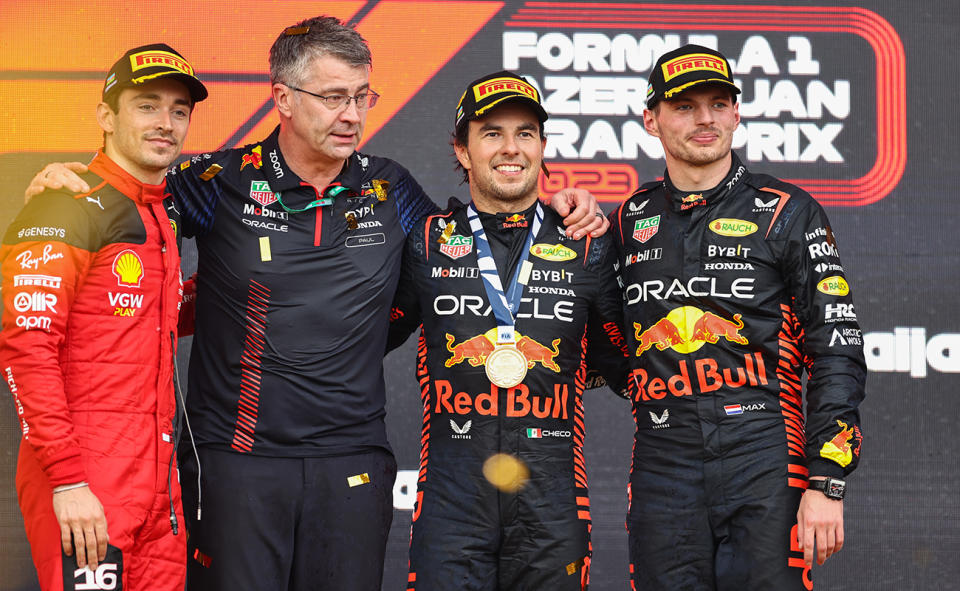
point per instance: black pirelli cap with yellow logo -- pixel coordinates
(495, 89)
(149, 62)
(684, 68)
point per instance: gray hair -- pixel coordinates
(312, 38)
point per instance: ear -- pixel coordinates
(106, 118)
(282, 97)
(650, 123)
(463, 155)
(736, 111)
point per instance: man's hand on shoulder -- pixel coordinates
(820, 522)
(80, 513)
(58, 175)
(581, 213)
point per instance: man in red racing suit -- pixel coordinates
(91, 295)
(733, 288)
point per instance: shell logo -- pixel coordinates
(128, 268)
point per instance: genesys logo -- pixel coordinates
(911, 350)
(838, 124)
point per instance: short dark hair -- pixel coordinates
(312, 38)
(461, 137)
(113, 101)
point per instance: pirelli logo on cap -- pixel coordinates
(147, 59)
(498, 85)
(693, 62)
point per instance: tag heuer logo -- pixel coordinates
(457, 246)
(261, 193)
(646, 228)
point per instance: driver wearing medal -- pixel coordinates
(505, 301)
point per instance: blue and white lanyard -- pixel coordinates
(504, 306)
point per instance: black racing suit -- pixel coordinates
(467, 534)
(730, 296)
(291, 326)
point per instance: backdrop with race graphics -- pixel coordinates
(852, 101)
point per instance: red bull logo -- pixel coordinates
(255, 158)
(476, 349)
(519, 401)
(537, 353)
(843, 446)
(663, 334)
(692, 200)
(686, 329)
(707, 376)
(516, 220)
(473, 350)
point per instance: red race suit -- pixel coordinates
(91, 295)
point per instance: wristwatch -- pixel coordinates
(833, 488)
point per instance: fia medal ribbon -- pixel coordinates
(505, 366)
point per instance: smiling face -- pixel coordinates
(146, 133)
(502, 157)
(696, 128)
(326, 136)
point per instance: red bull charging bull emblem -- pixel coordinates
(475, 350)
(843, 446)
(254, 158)
(686, 329)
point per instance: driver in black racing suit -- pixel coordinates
(733, 288)
(526, 526)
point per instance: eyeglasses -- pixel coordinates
(364, 100)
